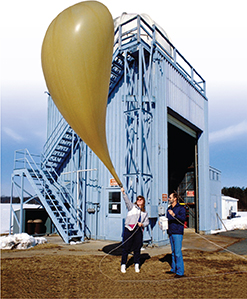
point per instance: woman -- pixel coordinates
(136, 220)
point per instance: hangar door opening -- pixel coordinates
(182, 147)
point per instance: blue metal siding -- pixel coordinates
(183, 99)
(115, 129)
(215, 199)
(150, 81)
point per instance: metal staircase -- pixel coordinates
(54, 197)
(43, 175)
(58, 145)
(117, 70)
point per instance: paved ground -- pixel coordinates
(238, 247)
(232, 240)
(235, 241)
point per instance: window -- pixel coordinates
(114, 203)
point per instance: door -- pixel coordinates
(182, 166)
(114, 215)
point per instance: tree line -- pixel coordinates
(239, 193)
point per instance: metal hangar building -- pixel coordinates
(157, 134)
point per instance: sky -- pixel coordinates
(211, 35)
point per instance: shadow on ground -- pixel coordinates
(113, 249)
(166, 259)
(116, 250)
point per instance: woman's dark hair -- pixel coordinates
(142, 197)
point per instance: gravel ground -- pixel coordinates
(57, 270)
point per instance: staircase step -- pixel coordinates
(72, 232)
(70, 226)
(54, 159)
(66, 143)
(59, 153)
(57, 214)
(52, 202)
(67, 137)
(56, 208)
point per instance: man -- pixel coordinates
(176, 215)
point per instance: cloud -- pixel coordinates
(228, 133)
(12, 134)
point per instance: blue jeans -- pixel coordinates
(177, 257)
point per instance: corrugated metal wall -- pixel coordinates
(184, 99)
(136, 128)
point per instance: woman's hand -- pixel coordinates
(140, 224)
(123, 191)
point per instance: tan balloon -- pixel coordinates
(76, 60)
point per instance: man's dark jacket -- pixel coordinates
(174, 226)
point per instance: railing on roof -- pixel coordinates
(136, 29)
(214, 174)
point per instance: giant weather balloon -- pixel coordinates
(76, 60)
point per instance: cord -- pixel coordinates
(114, 250)
(195, 277)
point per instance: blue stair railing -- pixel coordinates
(58, 145)
(54, 197)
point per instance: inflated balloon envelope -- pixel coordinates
(76, 61)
